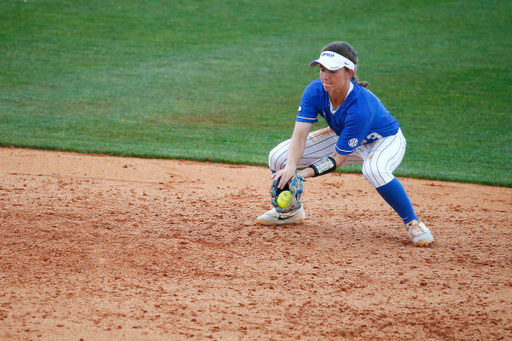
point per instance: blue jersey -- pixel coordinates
(361, 119)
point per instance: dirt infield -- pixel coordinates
(106, 248)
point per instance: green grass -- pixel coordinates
(222, 80)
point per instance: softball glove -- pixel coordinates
(295, 186)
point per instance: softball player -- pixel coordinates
(360, 130)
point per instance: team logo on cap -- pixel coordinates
(353, 142)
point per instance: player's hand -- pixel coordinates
(284, 175)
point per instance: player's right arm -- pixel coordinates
(295, 152)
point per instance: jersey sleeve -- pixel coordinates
(357, 125)
(308, 110)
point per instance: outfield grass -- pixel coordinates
(221, 80)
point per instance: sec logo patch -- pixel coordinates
(353, 142)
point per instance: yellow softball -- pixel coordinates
(284, 199)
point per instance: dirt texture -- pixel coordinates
(108, 248)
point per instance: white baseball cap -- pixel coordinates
(333, 61)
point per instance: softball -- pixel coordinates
(284, 199)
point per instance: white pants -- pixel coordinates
(379, 158)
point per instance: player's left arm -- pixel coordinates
(340, 159)
(324, 165)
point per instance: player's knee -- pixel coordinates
(377, 177)
(276, 160)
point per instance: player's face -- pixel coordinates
(334, 80)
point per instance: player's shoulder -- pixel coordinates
(357, 102)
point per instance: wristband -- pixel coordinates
(323, 166)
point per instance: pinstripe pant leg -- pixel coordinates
(320, 143)
(382, 157)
